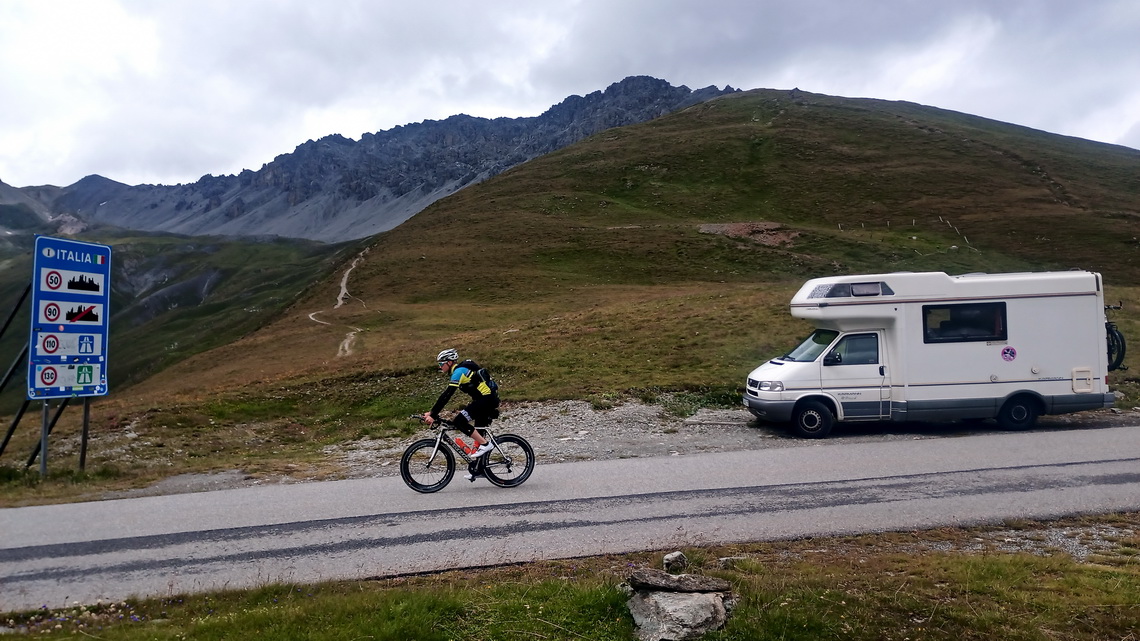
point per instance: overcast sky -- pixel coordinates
(165, 91)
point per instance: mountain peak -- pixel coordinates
(335, 189)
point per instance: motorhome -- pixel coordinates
(931, 347)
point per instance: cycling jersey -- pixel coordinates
(465, 377)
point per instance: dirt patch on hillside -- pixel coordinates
(765, 233)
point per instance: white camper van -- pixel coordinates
(932, 347)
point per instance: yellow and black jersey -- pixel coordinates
(470, 379)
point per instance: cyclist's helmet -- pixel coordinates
(446, 356)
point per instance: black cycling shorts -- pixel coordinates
(479, 414)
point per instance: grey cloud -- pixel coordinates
(233, 84)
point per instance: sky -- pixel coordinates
(166, 91)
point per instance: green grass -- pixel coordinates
(940, 584)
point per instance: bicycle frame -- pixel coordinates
(450, 443)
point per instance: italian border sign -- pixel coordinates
(71, 293)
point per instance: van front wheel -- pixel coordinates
(812, 419)
(1018, 413)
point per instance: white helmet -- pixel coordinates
(447, 355)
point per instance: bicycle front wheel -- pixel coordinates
(424, 472)
(511, 462)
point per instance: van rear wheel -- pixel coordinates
(1018, 413)
(812, 419)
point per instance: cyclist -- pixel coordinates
(467, 377)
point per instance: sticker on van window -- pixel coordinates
(1009, 353)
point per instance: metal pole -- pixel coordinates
(50, 426)
(44, 442)
(83, 441)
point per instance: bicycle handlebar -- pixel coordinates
(443, 422)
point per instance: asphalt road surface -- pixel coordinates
(58, 555)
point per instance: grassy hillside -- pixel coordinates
(648, 259)
(172, 296)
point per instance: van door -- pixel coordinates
(854, 372)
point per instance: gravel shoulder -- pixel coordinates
(567, 431)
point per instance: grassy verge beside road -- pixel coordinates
(1075, 579)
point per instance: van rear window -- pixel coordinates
(968, 322)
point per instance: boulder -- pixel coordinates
(676, 616)
(650, 579)
(668, 607)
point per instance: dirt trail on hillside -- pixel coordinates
(346, 345)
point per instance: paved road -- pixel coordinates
(57, 555)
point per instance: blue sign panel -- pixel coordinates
(71, 296)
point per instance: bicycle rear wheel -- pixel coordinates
(1116, 347)
(511, 462)
(424, 473)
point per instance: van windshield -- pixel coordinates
(812, 347)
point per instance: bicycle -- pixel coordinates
(1116, 345)
(428, 465)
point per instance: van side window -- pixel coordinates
(964, 323)
(847, 290)
(858, 349)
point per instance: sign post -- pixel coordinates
(71, 295)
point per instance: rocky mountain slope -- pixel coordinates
(336, 189)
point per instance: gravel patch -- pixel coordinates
(566, 431)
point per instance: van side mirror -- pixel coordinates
(832, 358)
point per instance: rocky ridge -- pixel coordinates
(336, 189)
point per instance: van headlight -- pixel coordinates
(771, 386)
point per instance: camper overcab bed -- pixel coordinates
(932, 347)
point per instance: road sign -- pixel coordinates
(70, 313)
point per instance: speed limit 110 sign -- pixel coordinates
(71, 286)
